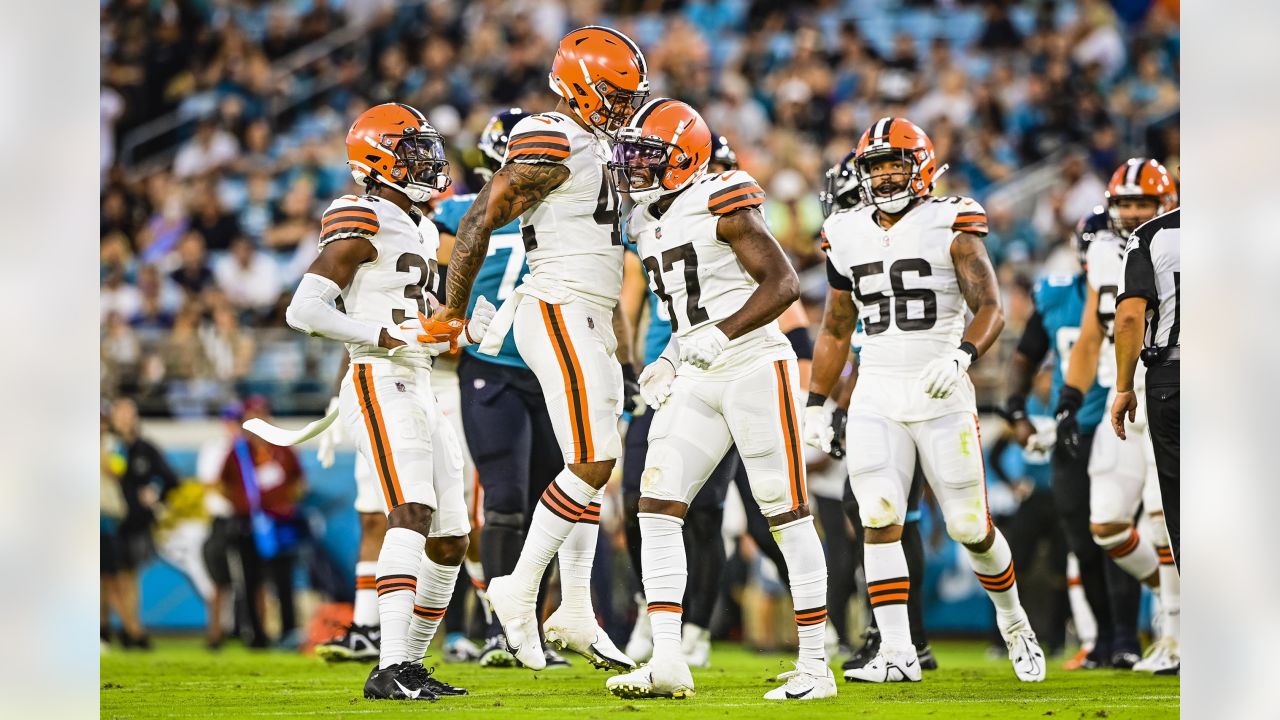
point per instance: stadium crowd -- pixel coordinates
(223, 127)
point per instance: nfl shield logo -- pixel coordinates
(400, 386)
(657, 234)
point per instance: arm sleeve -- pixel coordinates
(1139, 277)
(312, 311)
(1034, 342)
(835, 279)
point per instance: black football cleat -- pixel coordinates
(360, 643)
(398, 682)
(866, 653)
(927, 659)
(436, 685)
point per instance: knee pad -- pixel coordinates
(1109, 502)
(512, 521)
(663, 477)
(967, 520)
(1112, 541)
(880, 501)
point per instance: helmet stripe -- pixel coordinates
(1135, 171)
(882, 128)
(644, 68)
(646, 110)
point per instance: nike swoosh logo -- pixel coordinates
(910, 663)
(797, 696)
(411, 694)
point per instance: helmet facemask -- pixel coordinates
(1126, 212)
(419, 169)
(890, 192)
(641, 165)
(841, 189)
(617, 105)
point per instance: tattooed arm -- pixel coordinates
(831, 351)
(512, 190)
(980, 289)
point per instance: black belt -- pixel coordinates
(1153, 356)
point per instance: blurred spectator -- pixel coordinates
(210, 149)
(216, 225)
(229, 349)
(118, 577)
(192, 274)
(116, 296)
(248, 277)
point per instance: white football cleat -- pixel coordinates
(578, 632)
(695, 643)
(1025, 655)
(888, 666)
(518, 622)
(803, 684)
(640, 644)
(670, 679)
(1161, 656)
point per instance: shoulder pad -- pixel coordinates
(538, 139)
(731, 191)
(349, 216)
(970, 215)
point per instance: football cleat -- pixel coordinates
(518, 621)
(927, 660)
(398, 682)
(696, 646)
(1124, 659)
(670, 679)
(460, 650)
(640, 644)
(804, 685)
(555, 660)
(360, 643)
(888, 666)
(1161, 656)
(496, 655)
(864, 655)
(428, 679)
(1025, 655)
(578, 632)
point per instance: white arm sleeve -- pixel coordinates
(671, 353)
(312, 311)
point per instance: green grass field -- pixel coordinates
(181, 680)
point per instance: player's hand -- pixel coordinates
(631, 398)
(1023, 430)
(941, 376)
(655, 382)
(703, 348)
(478, 324)
(329, 439)
(817, 430)
(459, 332)
(1126, 404)
(839, 421)
(413, 334)
(1069, 401)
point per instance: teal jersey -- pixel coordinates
(1060, 302)
(501, 273)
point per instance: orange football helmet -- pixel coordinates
(666, 145)
(602, 74)
(1139, 178)
(394, 144)
(902, 139)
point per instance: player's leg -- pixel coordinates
(688, 438)
(950, 450)
(764, 418)
(1164, 655)
(705, 550)
(1081, 614)
(640, 645)
(913, 548)
(569, 347)
(881, 459)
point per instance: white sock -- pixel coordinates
(994, 569)
(399, 562)
(1132, 552)
(1081, 613)
(576, 556)
(807, 566)
(562, 504)
(365, 611)
(475, 571)
(666, 572)
(1170, 580)
(888, 587)
(435, 588)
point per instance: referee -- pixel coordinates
(1149, 293)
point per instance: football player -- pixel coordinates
(367, 289)
(910, 264)
(727, 377)
(555, 181)
(1123, 473)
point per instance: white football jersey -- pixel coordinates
(908, 300)
(699, 278)
(1104, 261)
(572, 238)
(393, 287)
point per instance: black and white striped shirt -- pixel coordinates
(1152, 271)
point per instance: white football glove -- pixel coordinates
(412, 333)
(941, 376)
(655, 382)
(703, 348)
(329, 439)
(817, 430)
(478, 324)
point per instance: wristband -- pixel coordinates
(971, 349)
(1069, 398)
(816, 399)
(1016, 406)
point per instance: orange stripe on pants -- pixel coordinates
(790, 437)
(383, 462)
(574, 385)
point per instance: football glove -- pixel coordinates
(839, 420)
(655, 382)
(458, 332)
(1069, 401)
(329, 439)
(941, 376)
(703, 348)
(413, 334)
(817, 429)
(630, 389)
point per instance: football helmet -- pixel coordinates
(664, 148)
(722, 155)
(494, 139)
(393, 144)
(602, 75)
(1139, 178)
(840, 188)
(901, 139)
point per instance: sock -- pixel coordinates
(475, 571)
(994, 569)
(562, 505)
(888, 587)
(665, 574)
(435, 588)
(808, 579)
(366, 607)
(399, 562)
(1132, 552)
(576, 556)
(1170, 581)
(1081, 613)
